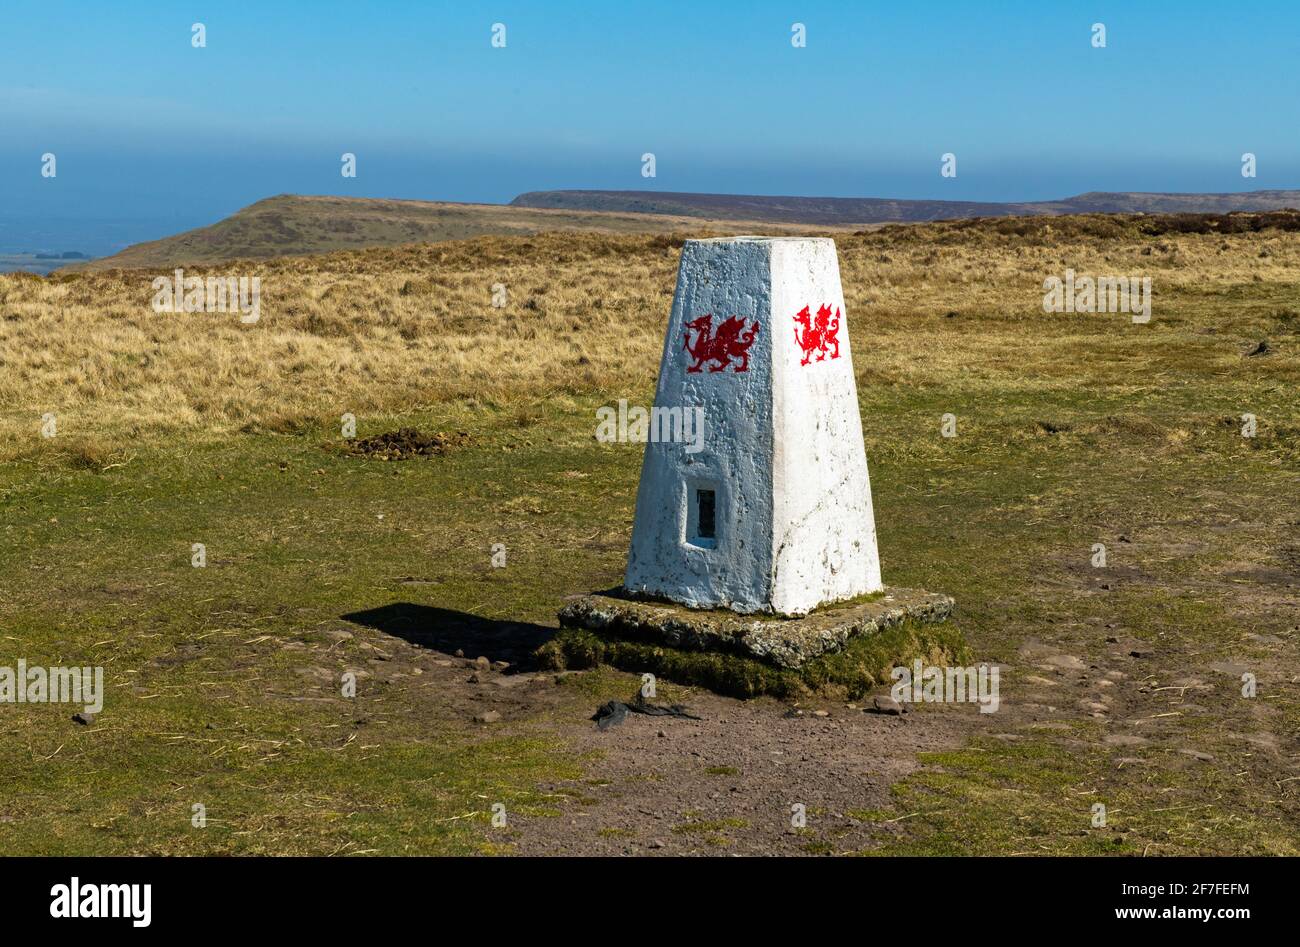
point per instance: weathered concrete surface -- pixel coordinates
(782, 448)
(783, 642)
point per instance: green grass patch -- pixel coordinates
(1036, 797)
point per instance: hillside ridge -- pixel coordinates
(857, 211)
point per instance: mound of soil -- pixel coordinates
(407, 442)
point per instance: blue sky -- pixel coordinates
(154, 135)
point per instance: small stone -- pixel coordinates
(475, 679)
(490, 716)
(1265, 639)
(821, 713)
(1142, 651)
(1066, 662)
(84, 719)
(886, 705)
(460, 652)
(1121, 739)
(483, 662)
(660, 733)
(655, 843)
(500, 665)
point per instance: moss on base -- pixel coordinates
(785, 642)
(863, 664)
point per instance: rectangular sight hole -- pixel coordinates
(706, 522)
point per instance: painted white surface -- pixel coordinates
(782, 447)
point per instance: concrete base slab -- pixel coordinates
(780, 642)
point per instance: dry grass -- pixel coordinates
(385, 330)
(1074, 429)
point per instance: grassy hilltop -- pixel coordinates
(299, 225)
(1120, 685)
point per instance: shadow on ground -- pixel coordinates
(449, 630)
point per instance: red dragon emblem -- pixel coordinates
(731, 340)
(818, 333)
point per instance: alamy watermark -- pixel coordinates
(181, 293)
(75, 899)
(659, 425)
(1077, 293)
(951, 685)
(55, 685)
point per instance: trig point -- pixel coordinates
(774, 513)
(758, 539)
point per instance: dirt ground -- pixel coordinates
(674, 785)
(726, 783)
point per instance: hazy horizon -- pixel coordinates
(154, 136)
(99, 236)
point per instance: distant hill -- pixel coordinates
(296, 225)
(293, 225)
(39, 263)
(850, 211)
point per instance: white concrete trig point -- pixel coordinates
(773, 514)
